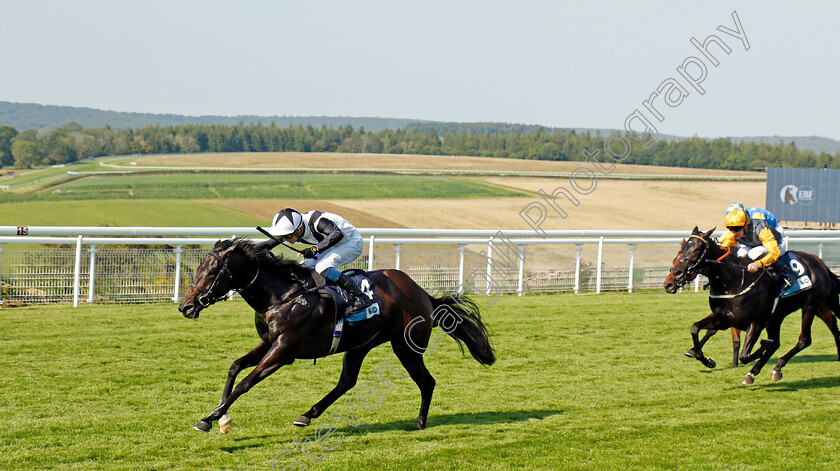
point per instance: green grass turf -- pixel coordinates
(159, 213)
(595, 382)
(259, 186)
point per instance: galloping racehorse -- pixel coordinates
(748, 301)
(296, 319)
(672, 287)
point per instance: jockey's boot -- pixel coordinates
(785, 271)
(360, 299)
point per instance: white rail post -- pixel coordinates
(630, 278)
(397, 250)
(577, 268)
(819, 250)
(370, 253)
(521, 287)
(489, 266)
(77, 271)
(176, 293)
(598, 270)
(461, 250)
(92, 274)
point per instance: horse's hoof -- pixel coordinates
(710, 362)
(690, 353)
(203, 426)
(224, 424)
(302, 421)
(777, 376)
(748, 379)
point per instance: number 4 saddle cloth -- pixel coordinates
(343, 306)
(342, 299)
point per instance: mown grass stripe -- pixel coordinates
(583, 382)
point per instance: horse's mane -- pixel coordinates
(248, 248)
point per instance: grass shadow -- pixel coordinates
(244, 443)
(813, 358)
(467, 418)
(473, 418)
(813, 383)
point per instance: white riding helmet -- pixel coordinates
(285, 222)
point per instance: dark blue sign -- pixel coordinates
(800, 194)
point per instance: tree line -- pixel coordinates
(72, 142)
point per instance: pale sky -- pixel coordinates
(564, 64)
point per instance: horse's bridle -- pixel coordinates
(207, 297)
(691, 271)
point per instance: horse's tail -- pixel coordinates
(835, 280)
(461, 318)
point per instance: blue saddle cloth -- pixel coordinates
(802, 281)
(342, 299)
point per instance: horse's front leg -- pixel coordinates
(276, 357)
(248, 360)
(709, 333)
(709, 323)
(736, 345)
(753, 332)
(768, 347)
(747, 355)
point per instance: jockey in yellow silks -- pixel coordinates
(757, 234)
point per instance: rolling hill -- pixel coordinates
(23, 116)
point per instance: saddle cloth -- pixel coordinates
(342, 298)
(343, 306)
(803, 279)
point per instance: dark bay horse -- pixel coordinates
(747, 301)
(671, 286)
(295, 321)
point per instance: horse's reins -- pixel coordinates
(276, 239)
(744, 291)
(207, 298)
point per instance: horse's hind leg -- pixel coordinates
(832, 305)
(413, 363)
(801, 344)
(351, 365)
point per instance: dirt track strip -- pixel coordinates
(438, 171)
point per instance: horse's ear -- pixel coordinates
(228, 250)
(708, 234)
(695, 231)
